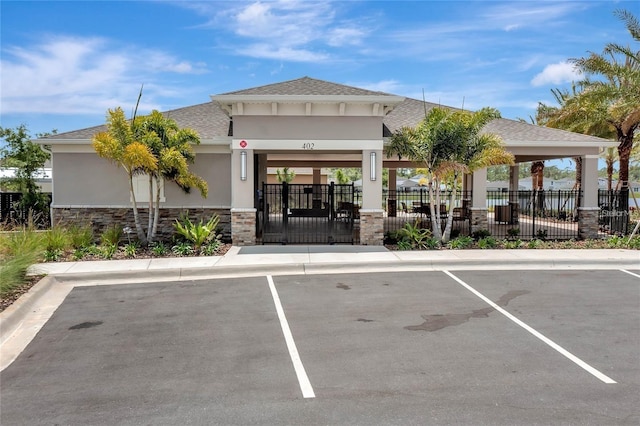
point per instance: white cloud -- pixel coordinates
(65, 75)
(561, 72)
(290, 30)
(282, 53)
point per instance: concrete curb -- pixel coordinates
(11, 317)
(172, 274)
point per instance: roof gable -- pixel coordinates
(307, 86)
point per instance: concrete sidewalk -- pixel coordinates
(261, 260)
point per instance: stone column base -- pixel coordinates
(372, 227)
(588, 222)
(243, 227)
(479, 219)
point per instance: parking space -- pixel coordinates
(390, 348)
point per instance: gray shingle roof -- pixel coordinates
(211, 122)
(410, 112)
(208, 119)
(306, 86)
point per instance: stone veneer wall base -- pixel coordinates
(372, 227)
(102, 218)
(588, 222)
(243, 226)
(479, 219)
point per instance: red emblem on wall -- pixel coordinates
(243, 144)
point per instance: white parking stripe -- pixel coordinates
(305, 384)
(539, 335)
(630, 273)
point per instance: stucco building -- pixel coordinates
(305, 123)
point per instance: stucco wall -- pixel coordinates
(84, 179)
(341, 128)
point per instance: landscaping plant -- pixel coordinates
(196, 233)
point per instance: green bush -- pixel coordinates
(131, 249)
(487, 243)
(535, 244)
(513, 244)
(414, 237)
(111, 235)
(56, 239)
(196, 233)
(182, 249)
(108, 251)
(462, 242)
(634, 243)
(159, 249)
(80, 236)
(212, 247)
(18, 251)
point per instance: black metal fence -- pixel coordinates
(307, 214)
(546, 215)
(413, 205)
(614, 215)
(12, 214)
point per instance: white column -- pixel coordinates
(589, 181)
(242, 191)
(479, 180)
(514, 177)
(372, 179)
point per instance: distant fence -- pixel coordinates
(12, 214)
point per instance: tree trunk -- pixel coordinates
(624, 152)
(150, 221)
(156, 212)
(447, 230)
(435, 214)
(136, 215)
(537, 175)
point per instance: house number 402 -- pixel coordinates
(308, 145)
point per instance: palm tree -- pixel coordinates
(173, 148)
(154, 146)
(286, 175)
(608, 96)
(119, 145)
(448, 144)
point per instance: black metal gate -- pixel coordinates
(306, 214)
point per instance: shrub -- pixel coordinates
(131, 249)
(212, 248)
(56, 239)
(513, 233)
(480, 234)
(415, 237)
(461, 242)
(111, 235)
(634, 243)
(541, 234)
(534, 244)
(109, 250)
(80, 236)
(513, 244)
(487, 242)
(159, 249)
(196, 233)
(182, 249)
(19, 250)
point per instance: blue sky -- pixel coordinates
(63, 64)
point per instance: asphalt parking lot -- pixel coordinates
(466, 347)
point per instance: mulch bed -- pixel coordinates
(15, 294)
